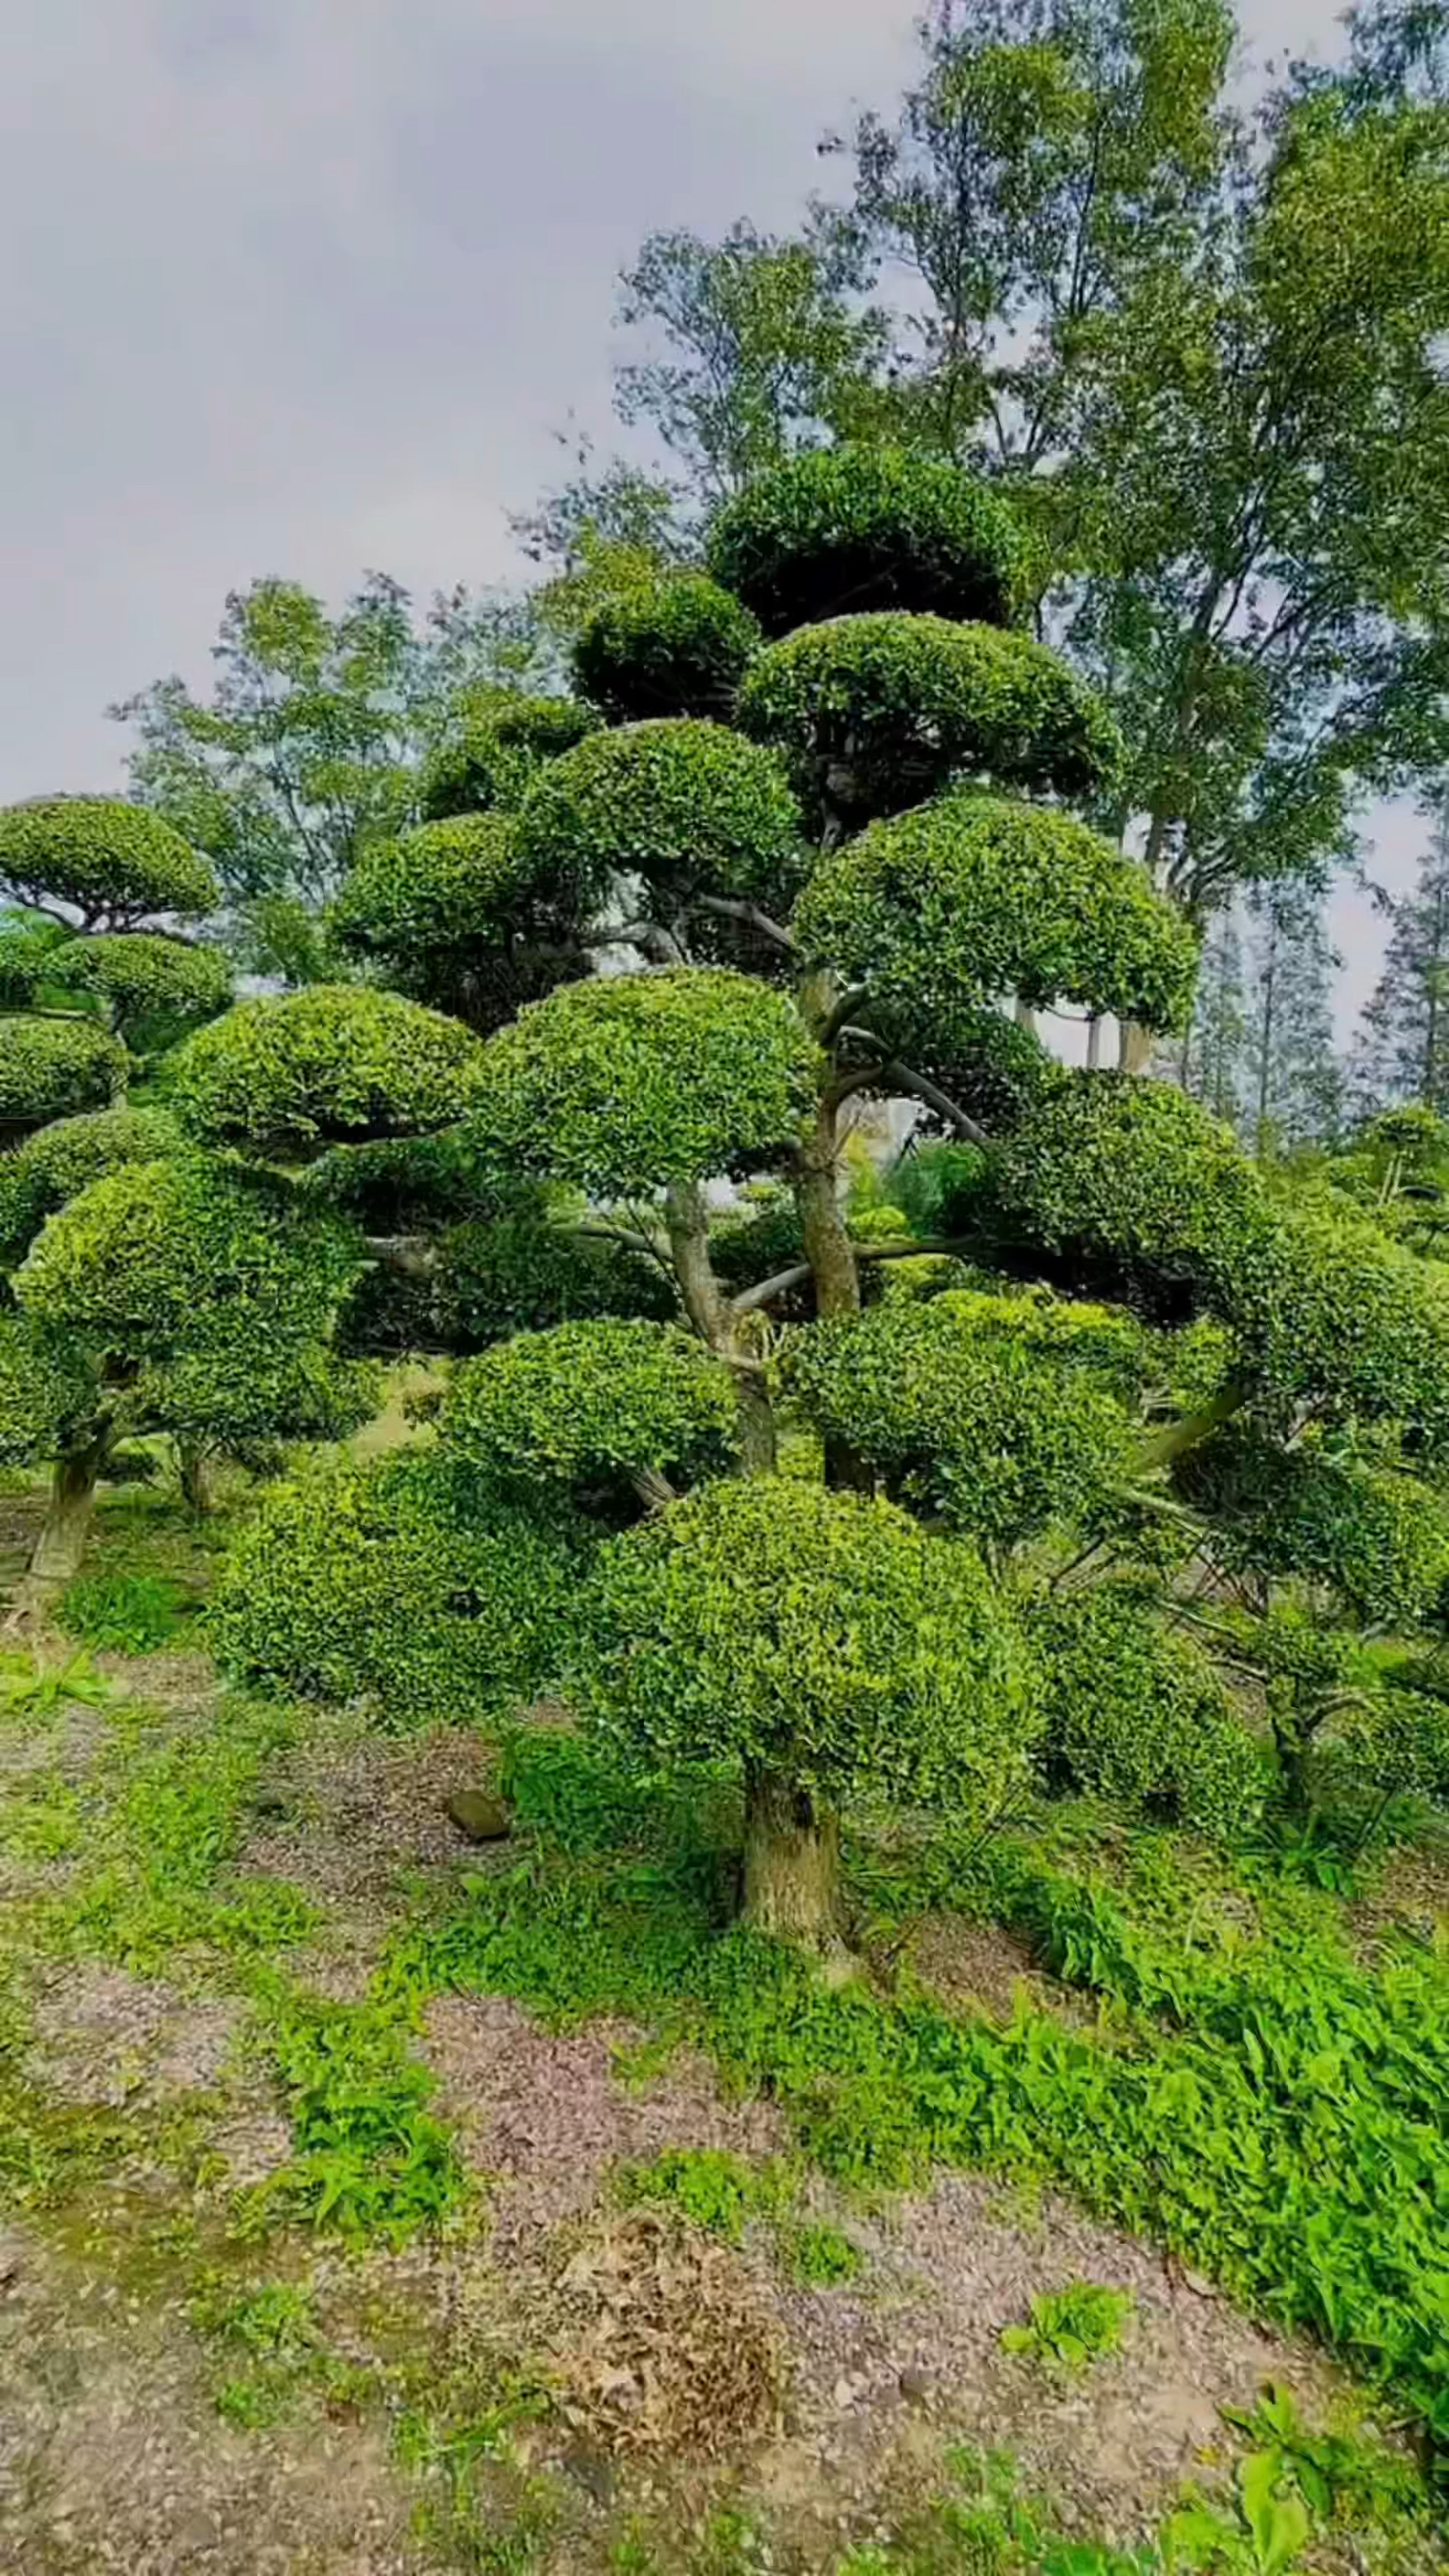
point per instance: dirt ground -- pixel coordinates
(120, 2444)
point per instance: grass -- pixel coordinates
(1272, 2111)
(1249, 2093)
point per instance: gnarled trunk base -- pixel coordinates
(59, 1551)
(792, 1865)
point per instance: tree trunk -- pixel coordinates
(1134, 1047)
(1094, 1042)
(833, 1267)
(827, 1244)
(60, 1548)
(709, 1310)
(792, 1864)
(195, 1478)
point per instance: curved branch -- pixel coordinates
(1162, 1446)
(766, 1290)
(750, 917)
(904, 1078)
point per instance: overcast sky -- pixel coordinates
(306, 286)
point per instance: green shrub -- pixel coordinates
(497, 746)
(114, 862)
(964, 1409)
(1072, 2326)
(816, 1633)
(402, 1184)
(27, 943)
(1379, 1538)
(683, 804)
(707, 2185)
(679, 646)
(877, 712)
(519, 1273)
(153, 1255)
(865, 528)
(405, 1579)
(331, 1064)
(142, 977)
(819, 2256)
(123, 1614)
(593, 1406)
(977, 895)
(1134, 1178)
(51, 1166)
(1136, 1713)
(54, 1068)
(984, 1062)
(627, 1082)
(47, 1393)
(448, 883)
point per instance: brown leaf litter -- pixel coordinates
(661, 2343)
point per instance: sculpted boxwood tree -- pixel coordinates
(835, 888)
(82, 978)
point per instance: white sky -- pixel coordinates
(306, 286)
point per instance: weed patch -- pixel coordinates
(1071, 2327)
(122, 1614)
(1284, 2132)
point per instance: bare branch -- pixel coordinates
(766, 1290)
(843, 1013)
(750, 917)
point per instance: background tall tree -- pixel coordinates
(310, 746)
(1203, 342)
(1292, 1080)
(1402, 1051)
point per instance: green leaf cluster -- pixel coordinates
(884, 709)
(113, 862)
(487, 760)
(63, 1158)
(684, 804)
(592, 1405)
(976, 896)
(817, 1634)
(678, 646)
(966, 1412)
(54, 1068)
(332, 1064)
(1136, 1712)
(1378, 1538)
(628, 1082)
(863, 528)
(408, 1580)
(142, 976)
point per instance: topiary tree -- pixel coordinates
(89, 872)
(185, 1297)
(845, 902)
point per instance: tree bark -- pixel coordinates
(59, 1550)
(827, 1243)
(831, 1256)
(792, 1864)
(713, 1318)
(195, 1478)
(1134, 1047)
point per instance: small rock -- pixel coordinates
(11, 2256)
(917, 2385)
(589, 2470)
(1199, 2284)
(196, 2529)
(479, 1818)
